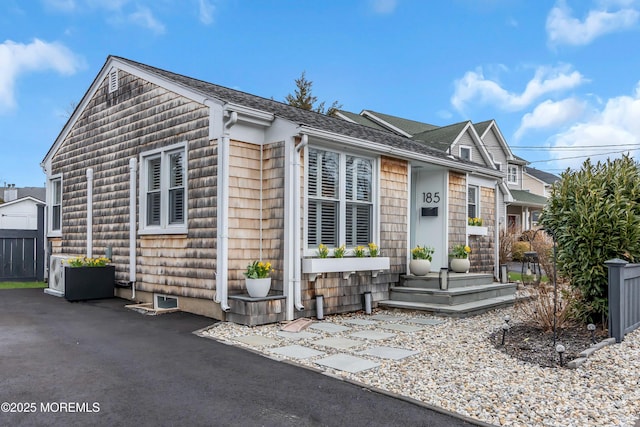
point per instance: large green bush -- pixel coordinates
(594, 214)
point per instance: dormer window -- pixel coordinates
(465, 153)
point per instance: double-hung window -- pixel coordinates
(473, 210)
(55, 205)
(512, 175)
(163, 177)
(339, 199)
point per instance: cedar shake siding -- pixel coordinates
(113, 128)
(457, 209)
(482, 247)
(256, 211)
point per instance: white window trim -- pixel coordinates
(466, 147)
(498, 166)
(52, 178)
(375, 181)
(477, 187)
(509, 181)
(164, 227)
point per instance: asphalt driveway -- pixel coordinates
(97, 363)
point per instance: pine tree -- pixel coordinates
(303, 98)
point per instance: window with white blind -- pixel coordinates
(55, 205)
(339, 199)
(164, 188)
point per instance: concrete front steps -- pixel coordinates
(467, 294)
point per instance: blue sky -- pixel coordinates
(560, 77)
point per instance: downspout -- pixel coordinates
(496, 232)
(89, 213)
(223, 215)
(133, 166)
(295, 257)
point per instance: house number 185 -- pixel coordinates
(431, 197)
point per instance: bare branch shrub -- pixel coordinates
(540, 307)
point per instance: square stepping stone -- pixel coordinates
(401, 328)
(337, 342)
(385, 317)
(373, 335)
(388, 352)
(361, 322)
(296, 352)
(257, 340)
(302, 335)
(423, 321)
(345, 362)
(331, 328)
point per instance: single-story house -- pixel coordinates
(184, 183)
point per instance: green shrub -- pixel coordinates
(518, 249)
(594, 214)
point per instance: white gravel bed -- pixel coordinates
(458, 369)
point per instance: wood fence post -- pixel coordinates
(616, 307)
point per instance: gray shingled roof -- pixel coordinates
(441, 138)
(411, 127)
(481, 127)
(361, 120)
(294, 114)
(543, 176)
(528, 198)
(39, 193)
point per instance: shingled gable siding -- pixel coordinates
(245, 211)
(457, 209)
(346, 295)
(113, 128)
(483, 247)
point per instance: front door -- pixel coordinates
(429, 213)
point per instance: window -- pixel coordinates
(512, 175)
(55, 206)
(164, 186)
(498, 165)
(465, 153)
(473, 210)
(340, 199)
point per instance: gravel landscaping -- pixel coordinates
(461, 366)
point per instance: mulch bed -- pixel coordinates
(531, 344)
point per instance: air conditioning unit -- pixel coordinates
(56, 275)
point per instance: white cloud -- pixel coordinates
(206, 11)
(473, 86)
(384, 7)
(610, 130)
(144, 18)
(17, 59)
(62, 5)
(563, 28)
(551, 114)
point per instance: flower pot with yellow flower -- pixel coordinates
(420, 264)
(460, 258)
(257, 279)
(88, 278)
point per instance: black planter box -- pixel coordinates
(85, 283)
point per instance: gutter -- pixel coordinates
(222, 275)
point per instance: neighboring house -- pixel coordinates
(20, 208)
(523, 193)
(185, 182)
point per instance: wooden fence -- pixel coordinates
(624, 298)
(22, 255)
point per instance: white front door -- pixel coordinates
(429, 213)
